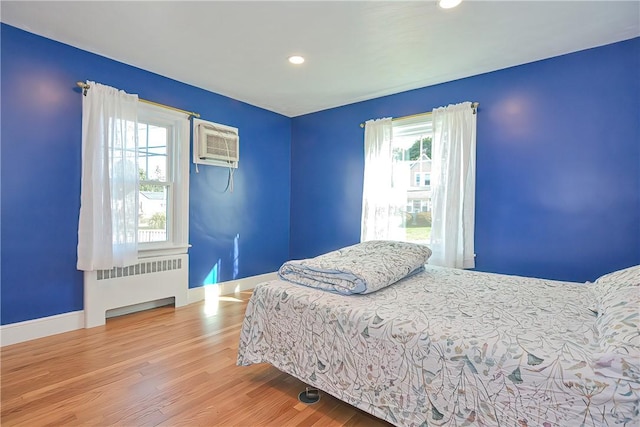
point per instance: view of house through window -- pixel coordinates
(155, 187)
(412, 175)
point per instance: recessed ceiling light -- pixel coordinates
(448, 4)
(296, 59)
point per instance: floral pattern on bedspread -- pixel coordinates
(444, 347)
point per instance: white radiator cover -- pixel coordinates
(148, 280)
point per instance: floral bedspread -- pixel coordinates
(444, 347)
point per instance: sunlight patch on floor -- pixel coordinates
(212, 299)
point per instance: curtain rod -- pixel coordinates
(85, 87)
(474, 106)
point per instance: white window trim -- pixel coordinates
(178, 209)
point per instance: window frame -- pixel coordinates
(177, 184)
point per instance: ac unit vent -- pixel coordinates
(216, 144)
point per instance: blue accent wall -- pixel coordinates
(234, 235)
(558, 165)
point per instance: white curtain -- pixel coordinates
(108, 227)
(384, 188)
(453, 186)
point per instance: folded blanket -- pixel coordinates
(359, 269)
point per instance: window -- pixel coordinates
(163, 166)
(422, 179)
(411, 145)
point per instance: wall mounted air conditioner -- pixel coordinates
(215, 144)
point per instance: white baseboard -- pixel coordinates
(38, 328)
(42, 327)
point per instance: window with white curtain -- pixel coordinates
(419, 182)
(135, 179)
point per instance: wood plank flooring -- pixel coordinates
(161, 367)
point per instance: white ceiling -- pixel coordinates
(355, 50)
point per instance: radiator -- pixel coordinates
(149, 280)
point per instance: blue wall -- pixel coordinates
(558, 170)
(558, 165)
(237, 234)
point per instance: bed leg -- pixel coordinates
(309, 395)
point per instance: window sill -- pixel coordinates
(163, 251)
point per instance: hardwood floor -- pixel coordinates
(167, 367)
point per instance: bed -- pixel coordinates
(451, 347)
